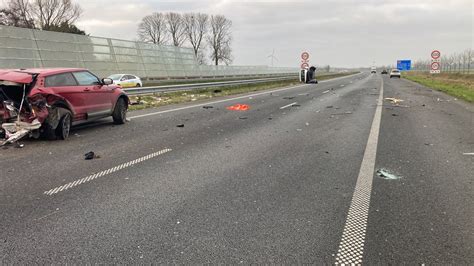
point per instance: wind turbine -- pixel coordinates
(272, 56)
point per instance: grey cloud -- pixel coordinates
(339, 33)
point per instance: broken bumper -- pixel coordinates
(17, 130)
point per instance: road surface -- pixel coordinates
(292, 180)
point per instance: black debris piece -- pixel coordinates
(217, 91)
(91, 155)
(180, 125)
(270, 118)
(289, 98)
(207, 107)
(330, 106)
(394, 115)
(243, 117)
(296, 105)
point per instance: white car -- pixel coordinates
(126, 80)
(395, 73)
(373, 70)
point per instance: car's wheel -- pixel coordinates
(138, 85)
(64, 126)
(120, 112)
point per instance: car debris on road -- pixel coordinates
(238, 107)
(91, 155)
(386, 174)
(394, 100)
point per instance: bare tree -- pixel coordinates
(18, 14)
(469, 53)
(53, 13)
(220, 39)
(152, 29)
(175, 25)
(195, 27)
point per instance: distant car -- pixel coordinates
(384, 71)
(395, 73)
(373, 70)
(48, 102)
(126, 80)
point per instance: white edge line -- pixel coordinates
(232, 99)
(351, 247)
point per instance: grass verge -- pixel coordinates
(458, 85)
(166, 98)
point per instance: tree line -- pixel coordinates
(52, 15)
(198, 30)
(460, 62)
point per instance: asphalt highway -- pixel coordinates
(320, 174)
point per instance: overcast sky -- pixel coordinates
(339, 32)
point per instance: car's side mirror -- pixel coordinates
(107, 81)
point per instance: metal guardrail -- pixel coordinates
(186, 87)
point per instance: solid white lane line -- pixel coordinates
(468, 153)
(232, 99)
(289, 105)
(351, 247)
(103, 173)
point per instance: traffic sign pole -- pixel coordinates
(304, 60)
(435, 67)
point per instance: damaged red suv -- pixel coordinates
(47, 102)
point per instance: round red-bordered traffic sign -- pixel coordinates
(305, 56)
(435, 66)
(304, 65)
(435, 54)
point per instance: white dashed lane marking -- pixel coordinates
(351, 247)
(235, 98)
(289, 105)
(104, 173)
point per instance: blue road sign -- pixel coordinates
(404, 65)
